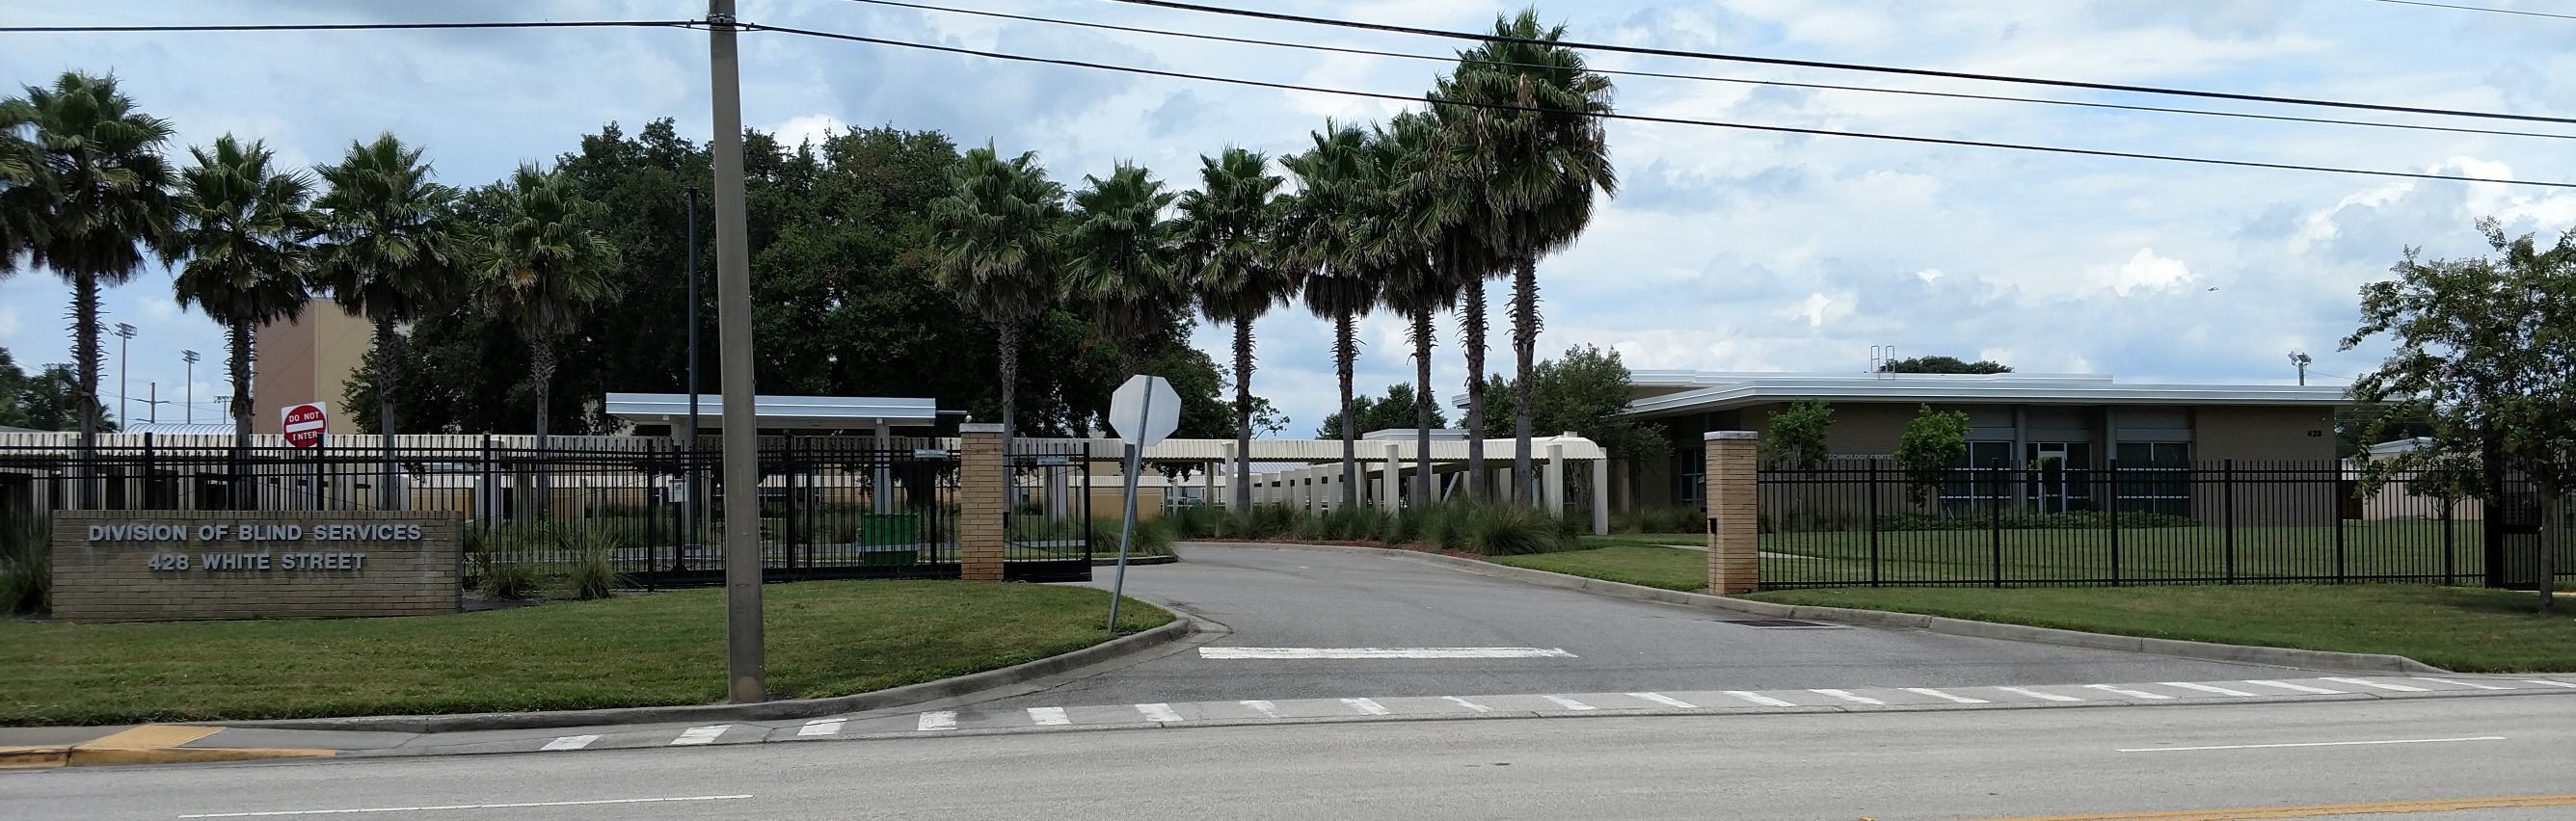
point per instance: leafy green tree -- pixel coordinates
(997, 251)
(1545, 158)
(1935, 442)
(1321, 237)
(242, 257)
(1941, 364)
(1797, 437)
(48, 400)
(99, 199)
(1118, 259)
(540, 268)
(389, 258)
(22, 176)
(1227, 235)
(1586, 391)
(2485, 355)
(1394, 411)
(1404, 235)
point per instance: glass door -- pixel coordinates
(2056, 471)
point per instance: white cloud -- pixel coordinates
(813, 128)
(2145, 270)
(1929, 275)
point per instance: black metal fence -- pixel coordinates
(828, 507)
(2228, 522)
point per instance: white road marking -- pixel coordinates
(2025, 691)
(1278, 653)
(700, 735)
(570, 742)
(1847, 695)
(1760, 699)
(937, 720)
(2462, 683)
(2130, 693)
(1568, 703)
(2313, 744)
(1938, 694)
(520, 805)
(2550, 682)
(1366, 706)
(2301, 688)
(1469, 704)
(1665, 700)
(1158, 712)
(1266, 709)
(822, 726)
(2402, 688)
(1049, 716)
(2210, 689)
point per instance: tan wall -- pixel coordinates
(1111, 503)
(113, 580)
(307, 359)
(2259, 433)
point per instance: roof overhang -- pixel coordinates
(1740, 391)
(778, 412)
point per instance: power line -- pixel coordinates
(1784, 61)
(1782, 129)
(529, 24)
(2487, 9)
(1703, 77)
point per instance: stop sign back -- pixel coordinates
(305, 425)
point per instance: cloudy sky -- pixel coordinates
(1725, 249)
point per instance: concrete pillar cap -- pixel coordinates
(980, 427)
(1716, 435)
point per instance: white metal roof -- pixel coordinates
(1708, 391)
(828, 412)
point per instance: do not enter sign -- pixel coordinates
(305, 425)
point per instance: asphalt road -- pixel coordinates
(1308, 599)
(2412, 757)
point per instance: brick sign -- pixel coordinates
(179, 565)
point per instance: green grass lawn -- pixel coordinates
(824, 638)
(2466, 629)
(2367, 549)
(1666, 567)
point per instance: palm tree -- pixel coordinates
(242, 232)
(1227, 240)
(1118, 259)
(1321, 236)
(21, 186)
(1397, 242)
(996, 250)
(100, 200)
(542, 268)
(1539, 129)
(389, 259)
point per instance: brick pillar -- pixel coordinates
(1734, 543)
(982, 502)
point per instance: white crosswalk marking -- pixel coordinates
(937, 720)
(2550, 682)
(1760, 699)
(822, 726)
(2296, 688)
(2025, 691)
(1938, 694)
(1158, 712)
(1568, 703)
(1468, 704)
(1366, 706)
(1048, 716)
(1665, 700)
(1847, 695)
(700, 735)
(2455, 682)
(1266, 709)
(2402, 688)
(2205, 688)
(570, 742)
(2130, 693)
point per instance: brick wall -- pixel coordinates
(113, 579)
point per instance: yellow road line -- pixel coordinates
(2318, 810)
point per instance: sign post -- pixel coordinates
(1143, 411)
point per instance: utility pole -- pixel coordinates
(190, 357)
(743, 636)
(689, 511)
(125, 341)
(152, 403)
(2300, 360)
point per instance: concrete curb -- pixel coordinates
(1134, 561)
(1180, 627)
(2208, 651)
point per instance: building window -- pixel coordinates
(2155, 477)
(1690, 469)
(1983, 478)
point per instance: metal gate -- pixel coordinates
(1048, 525)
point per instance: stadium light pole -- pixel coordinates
(190, 357)
(743, 634)
(125, 342)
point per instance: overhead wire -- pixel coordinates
(526, 24)
(1780, 129)
(2488, 9)
(1839, 66)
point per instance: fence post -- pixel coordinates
(2227, 510)
(788, 529)
(2334, 497)
(1995, 525)
(2450, 568)
(1734, 534)
(2113, 503)
(983, 502)
(1871, 523)
(150, 477)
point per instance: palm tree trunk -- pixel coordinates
(1471, 329)
(240, 369)
(541, 367)
(388, 346)
(1008, 345)
(1345, 353)
(85, 335)
(1422, 407)
(1243, 413)
(1525, 325)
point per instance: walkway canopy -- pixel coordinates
(779, 412)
